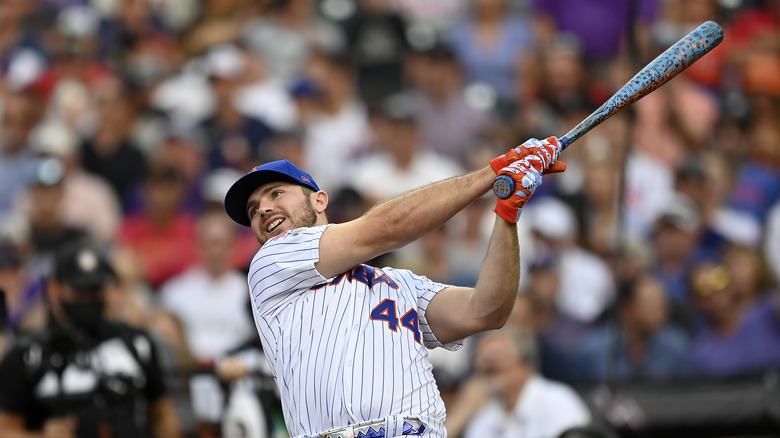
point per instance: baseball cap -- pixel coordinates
(225, 61)
(679, 212)
(281, 170)
(553, 218)
(82, 266)
(48, 171)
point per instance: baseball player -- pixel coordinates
(347, 341)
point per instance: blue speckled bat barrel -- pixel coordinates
(666, 66)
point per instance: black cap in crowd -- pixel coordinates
(83, 266)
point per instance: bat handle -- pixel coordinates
(564, 141)
(504, 185)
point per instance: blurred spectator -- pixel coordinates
(183, 153)
(450, 121)
(734, 339)
(641, 343)
(215, 185)
(287, 33)
(559, 336)
(162, 234)
(559, 84)
(133, 21)
(675, 238)
(265, 97)
(231, 138)
(253, 404)
(48, 230)
(603, 29)
(108, 151)
(15, 31)
(667, 133)
(23, 308)
(586, 283)
(433, 261)
(506, 397)
(211, 329)
(73, 47)
(89, 201)
(83, 375)
(600, 204)
(771, 246)
(493, 43)
(431, 17)
(467, 243)
(20, 113)
(648, 182)
(377, 41)
(757, 181)
(752, 47)
(335, 131)
(400, 161)
(209, 300)
(70, 102)
(748, 275)
(286, 145)
(703, 179)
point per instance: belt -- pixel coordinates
(377, 429)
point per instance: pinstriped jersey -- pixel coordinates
(346, 349)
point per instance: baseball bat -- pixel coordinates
(664, 67)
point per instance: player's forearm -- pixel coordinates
(499, 277)
(165, 420)
(399, 221)
(411, 215)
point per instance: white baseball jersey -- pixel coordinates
(346, 349)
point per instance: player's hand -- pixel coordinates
(515, 184)
(548, 149)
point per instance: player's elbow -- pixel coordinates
(494, 318)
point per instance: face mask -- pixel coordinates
(85, 315)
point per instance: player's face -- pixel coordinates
(277, 207)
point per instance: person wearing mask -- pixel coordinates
(83, 375)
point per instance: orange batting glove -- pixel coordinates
(548, 150)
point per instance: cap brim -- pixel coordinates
(99, 279)
(238, 194)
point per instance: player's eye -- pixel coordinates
(253, 211)
(276, 194)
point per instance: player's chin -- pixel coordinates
(280, 229)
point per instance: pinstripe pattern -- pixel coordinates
(334, 365)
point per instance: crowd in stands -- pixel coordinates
(655, 257)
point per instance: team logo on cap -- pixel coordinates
(306, 179)
(87, 260)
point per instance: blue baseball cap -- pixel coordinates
(238, 194)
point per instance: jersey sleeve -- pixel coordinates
(284, 268)
(15, 386)
(426, 290)
(155, 374)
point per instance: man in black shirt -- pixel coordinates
(82, 375)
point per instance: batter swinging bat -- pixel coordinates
(664, 67)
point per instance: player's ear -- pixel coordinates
(319, 201)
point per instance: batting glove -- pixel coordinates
(514, 186)
(548, 150)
